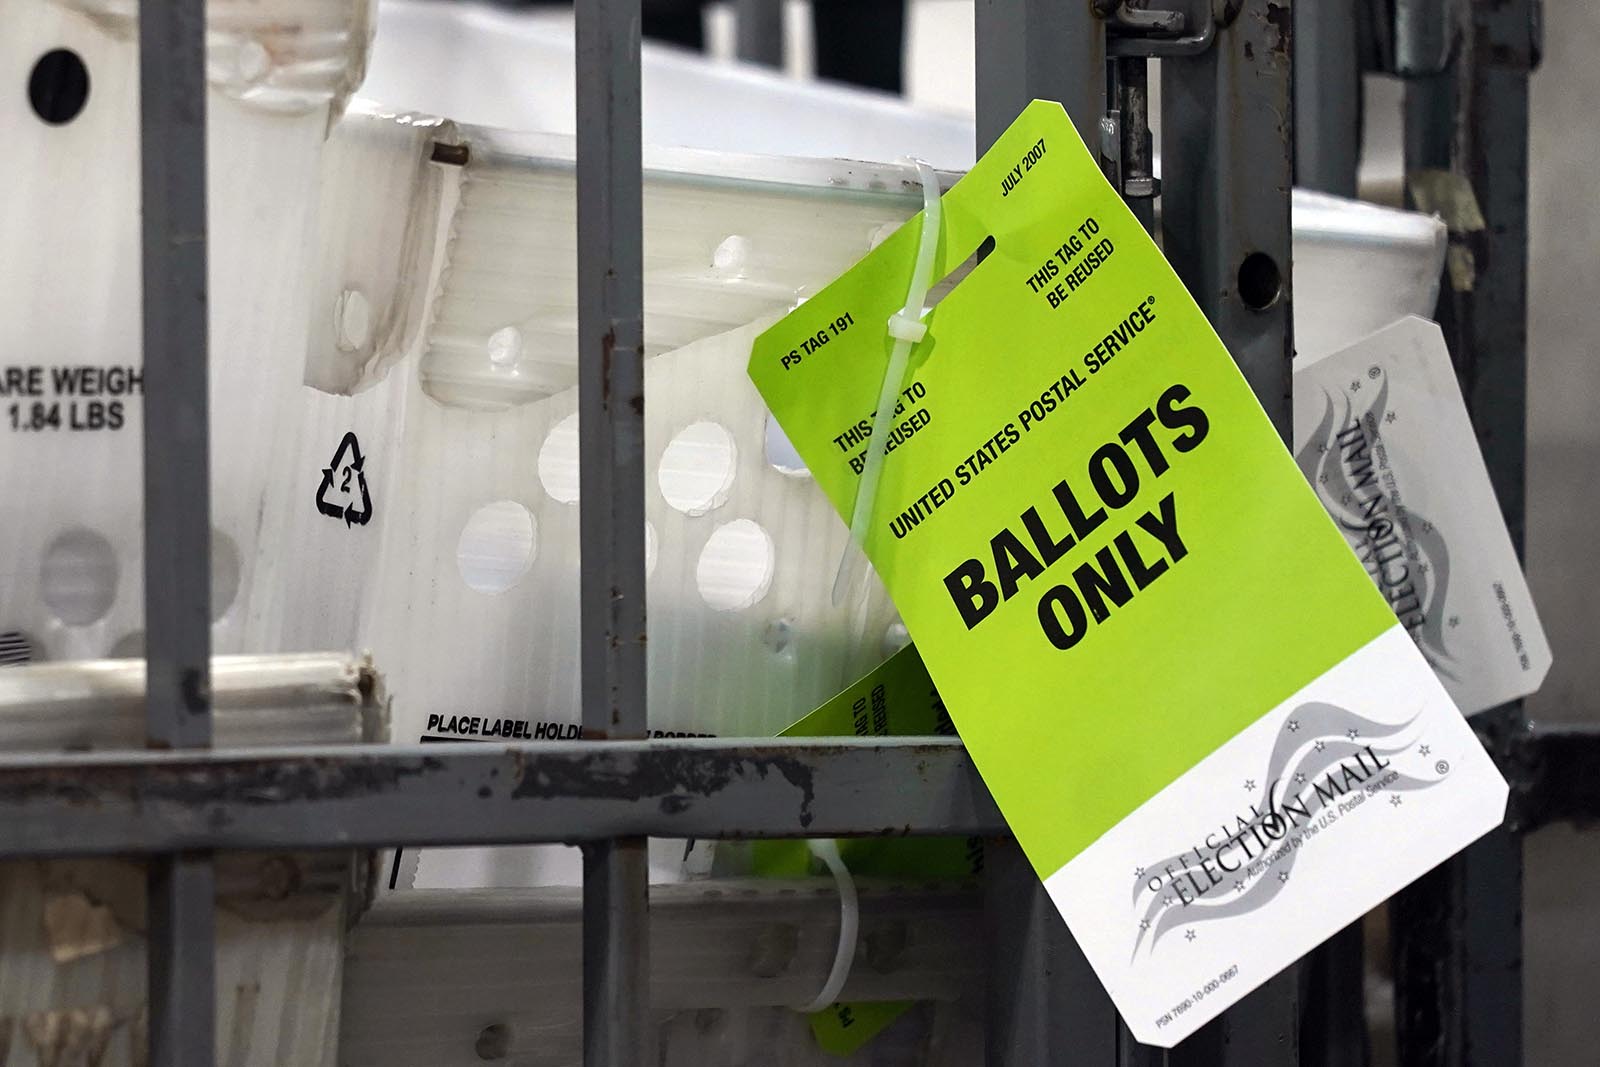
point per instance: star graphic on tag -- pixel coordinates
(1283, 876)
(1293, 725)
(1423, 750)
(1455, 620)
(1355, 386)
(1189, 936)
(1352, 733)
(1299, 779)
(1389, 417)
(1249, 785)
(1144, 924)
(1166, 902)
(1138, 872)
(1394, 801)
(1238, 887)
(1321, 745)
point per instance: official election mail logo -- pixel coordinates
(1402, 550)
(1326, 763)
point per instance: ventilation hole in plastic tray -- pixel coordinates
(731, 256)
(17, 648)
(697, 468)
(558, 461)
(779, 634)
(494, 1042)
(895, 637)
(736, 566)
(352, 321)
(251, 63)
(58, 87)
(78, 578)
(225, 569)
(505, 346)
(781, 454)
(496, 547)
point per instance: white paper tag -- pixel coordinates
(1204, 726)
(1355, 786)
(1382, 434)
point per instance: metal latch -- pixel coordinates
(1135, 34)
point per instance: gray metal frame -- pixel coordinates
(1228, 100)
(177, 491)
(616, 873)
(466, 793)
(1458, 931)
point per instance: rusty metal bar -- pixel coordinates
(618, 1031)
(1227, 151)
(355, 796)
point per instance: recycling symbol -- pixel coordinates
(348, 499)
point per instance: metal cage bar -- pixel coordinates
(618, 1028)
(1458, 930)
(1327, 139)
(177, 498)
(758, 31)
(357, 796)
(1327, 96)
(1228, 158)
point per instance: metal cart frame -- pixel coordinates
(1230, 94)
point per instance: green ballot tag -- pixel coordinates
(895, 699)
(1173, 675)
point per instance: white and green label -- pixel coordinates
(1124, 589)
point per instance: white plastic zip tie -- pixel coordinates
(907, 328)
(827, 850)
